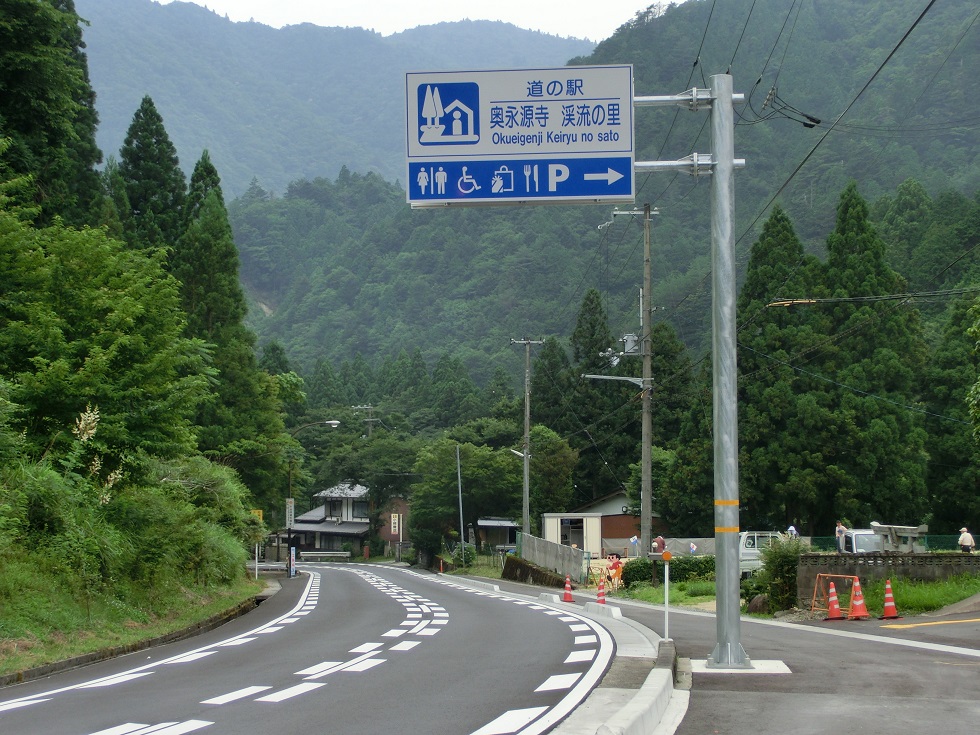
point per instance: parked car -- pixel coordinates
(750, 544)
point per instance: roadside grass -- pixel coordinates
(44, 623)
(914, 597)
(481, 567)
(681, 593)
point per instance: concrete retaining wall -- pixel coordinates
(927, 567)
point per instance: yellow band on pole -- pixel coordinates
(726, 529)
(726, 502)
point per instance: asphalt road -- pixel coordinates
(870, 677)
(353, 649)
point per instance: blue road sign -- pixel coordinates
(510, 180)
(520, 136)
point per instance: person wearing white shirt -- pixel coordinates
(966, 541)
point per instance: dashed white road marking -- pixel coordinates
(511, 721)
(404, 646)
(164, 728)
(237, 642)
(293, 691)
(113, 680)
(190, 657)
(22, 703)
(364, 665)
(234, 696)
(558, 682)
(579, 656)
(319, 668)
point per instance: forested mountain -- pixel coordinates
(282, 104)
(334, 264)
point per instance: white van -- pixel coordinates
(750, 543)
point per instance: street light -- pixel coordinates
(290, 505)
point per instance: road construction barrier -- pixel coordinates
(567, 597)
(820, 599)
(891, 612)
(833, 607)
(858, 610)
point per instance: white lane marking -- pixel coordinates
(428, 631)
(113, 680)
(177, 728)
(129, 727)
(17, 705)
(579, 656)
(270, 629)
(558, 681)
(190, 657)
(581, 640)
(404, 646)
(288, 620)
(392, 633)
(510, 722)
(289, 693)
(232, 696)
(318, 668)
(237, 642)
(369, 663)
(164, 728)
(365, 647)
(580, 627)
(339, 666)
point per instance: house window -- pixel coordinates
(336, 509)
(360, 509)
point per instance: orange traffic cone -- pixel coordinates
(833, 607)
(567, 597)
(858, 611)
(601, 597)
(891, 612)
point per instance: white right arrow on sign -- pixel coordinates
(611, 177)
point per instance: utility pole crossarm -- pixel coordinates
(635, 381)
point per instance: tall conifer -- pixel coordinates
(155, 185)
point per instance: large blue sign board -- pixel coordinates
(520, 136)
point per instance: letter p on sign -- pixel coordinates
(557, 172)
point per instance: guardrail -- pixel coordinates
(324, 555)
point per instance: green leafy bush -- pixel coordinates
(464, 554)
(777, 577)
(637, 571)
(689, 568)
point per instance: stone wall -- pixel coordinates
(927, 567)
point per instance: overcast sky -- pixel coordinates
(593, 20)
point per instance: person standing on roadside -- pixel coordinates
(839, 533)
(966, 541)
